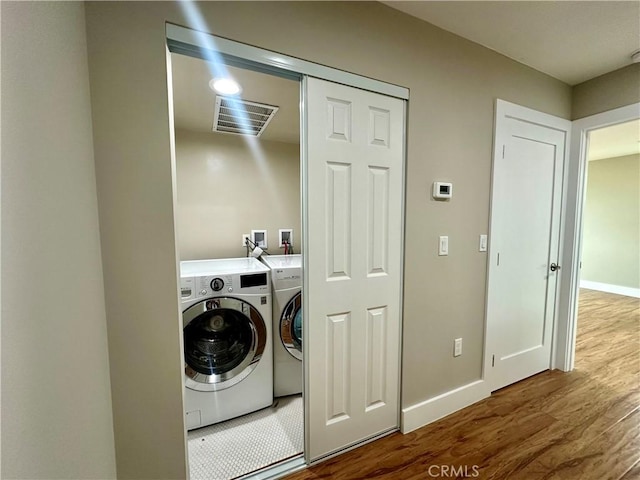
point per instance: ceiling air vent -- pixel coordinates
(234, 115)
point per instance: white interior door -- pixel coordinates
(355, 148)
(528, 163)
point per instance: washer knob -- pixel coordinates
(217, 284)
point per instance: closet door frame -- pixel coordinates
(211, 48)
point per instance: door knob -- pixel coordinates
(554, 267)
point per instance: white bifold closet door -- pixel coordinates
(355, 148)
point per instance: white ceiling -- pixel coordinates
(572, 41)
(194, 101)
(615, 141)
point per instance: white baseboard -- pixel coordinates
(607, 287)
(435, 408)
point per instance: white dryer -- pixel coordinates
(286, 278)
(227, 330)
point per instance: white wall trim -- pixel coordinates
(435, 408)
(609, 288)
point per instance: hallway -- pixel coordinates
(584, 425)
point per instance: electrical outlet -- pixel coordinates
(245, 237)
(457, 347)
(443, 246)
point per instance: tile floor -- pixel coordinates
(236, 447)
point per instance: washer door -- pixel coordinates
(291, 326)
(224, 339)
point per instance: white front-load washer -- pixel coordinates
(227, 330)
(286, 278)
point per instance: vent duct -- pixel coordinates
(237, 116)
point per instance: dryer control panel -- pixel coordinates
(285, 278)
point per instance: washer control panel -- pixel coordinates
(206, 286)
(227, 284)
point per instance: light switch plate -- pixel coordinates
(457, 347)
(483, 243)
(443, 246)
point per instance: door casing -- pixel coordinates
(565, 344)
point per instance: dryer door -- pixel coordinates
(224, 339)
(291, 326)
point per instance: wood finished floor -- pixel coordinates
(583, 425)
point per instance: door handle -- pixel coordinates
(554, 267)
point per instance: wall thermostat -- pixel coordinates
(442, 190)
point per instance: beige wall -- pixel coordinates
(134, 176)
(611, 236)
(612, 90)
(56, 402)
(226, 189)
(453, 83)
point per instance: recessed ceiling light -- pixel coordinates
(225, 86)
